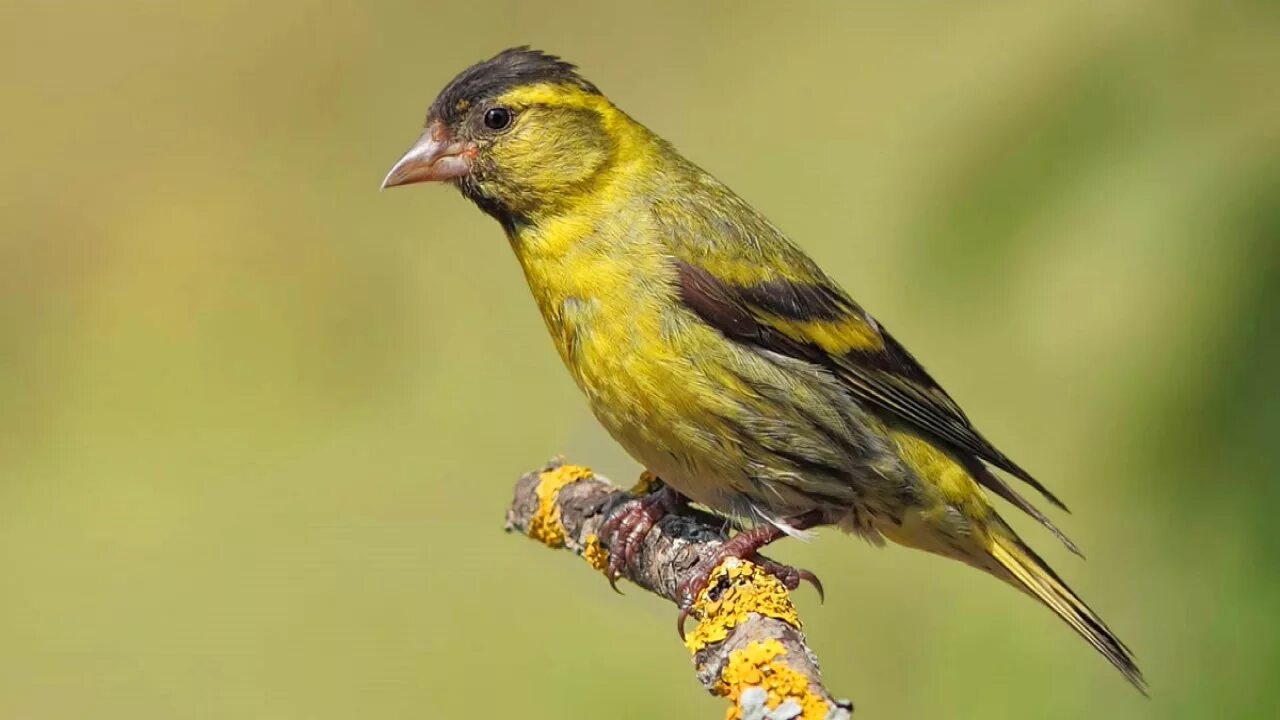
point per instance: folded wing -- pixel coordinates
(808, 317)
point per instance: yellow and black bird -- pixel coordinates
(713, 349)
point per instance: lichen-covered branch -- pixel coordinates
(747, 645)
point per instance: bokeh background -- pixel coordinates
(259, 423)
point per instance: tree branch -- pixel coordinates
(747, 645)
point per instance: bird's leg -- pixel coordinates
(624, 530)
(746, 545)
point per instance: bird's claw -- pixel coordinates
(624, 531)
(692, 588)
(791, 577)
(685, 610)
(744, 546)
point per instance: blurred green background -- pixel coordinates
(259, 423)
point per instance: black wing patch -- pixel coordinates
(888, 378)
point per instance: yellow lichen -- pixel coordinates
(647, 483)
(595, 553)
(749, 590)
(545, 524)
(757, 665)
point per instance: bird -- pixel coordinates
(714, 350)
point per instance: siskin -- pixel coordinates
(713, 349)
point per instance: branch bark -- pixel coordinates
(747, 645)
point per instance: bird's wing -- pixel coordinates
(806, 315)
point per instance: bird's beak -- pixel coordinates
(436, 156)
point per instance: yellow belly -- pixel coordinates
(633, 354)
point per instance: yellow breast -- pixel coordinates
(602, 298)
(610, 305)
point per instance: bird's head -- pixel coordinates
(518, 134)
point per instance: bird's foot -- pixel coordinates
(624, 530)
(745, 546)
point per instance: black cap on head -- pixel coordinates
(509, 68)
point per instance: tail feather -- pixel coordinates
(1020, 565)
(997, 485)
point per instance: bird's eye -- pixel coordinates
(498, 118)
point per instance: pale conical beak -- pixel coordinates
(434, 157)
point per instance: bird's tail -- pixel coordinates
(1020, 566)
